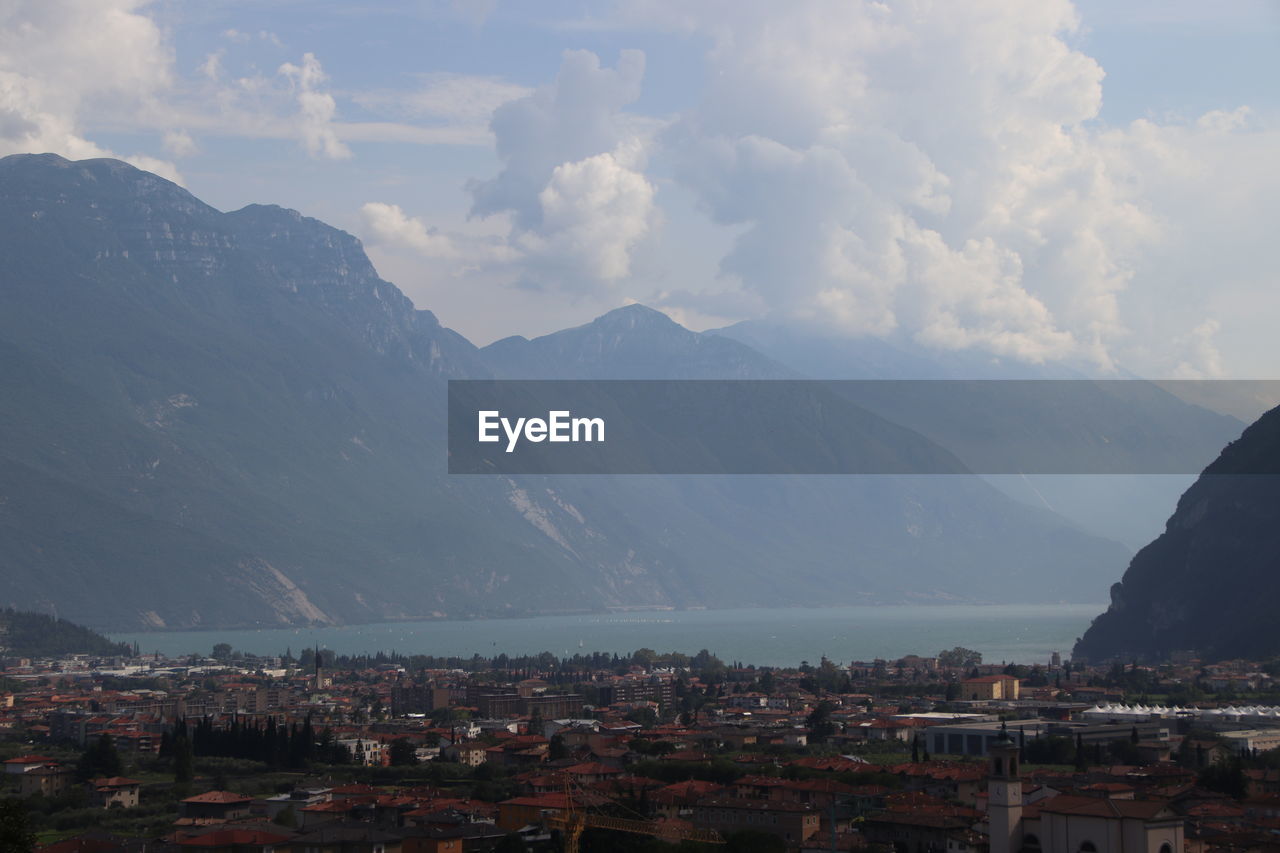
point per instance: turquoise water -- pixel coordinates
(1016, 633)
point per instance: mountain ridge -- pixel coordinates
(229, 419)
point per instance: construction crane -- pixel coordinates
(572, 823)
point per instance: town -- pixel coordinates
(648, 751)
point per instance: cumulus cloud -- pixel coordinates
(573, 174)
(388, 226)
(579, 115)
(59, 58)
(594, 212)
(572, 187)
(316, 109)
(922, 168)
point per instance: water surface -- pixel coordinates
(1021, 633)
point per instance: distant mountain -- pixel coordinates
(846, 539)
(216, 419)
(823, 354)
(1148, 427)
(1209, 583)
(229, 419)
(634, 342)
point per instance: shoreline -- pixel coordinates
(765, 636)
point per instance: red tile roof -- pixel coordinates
(224, 797)
(113, 782)
(233, 837)
(1106, 808)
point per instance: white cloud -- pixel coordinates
(241, 37)
(1203, 360)
(445, 107)
(211, 68)
(594, 212)
(572, 183)
(316, 109)
(924, 168)
(387, 224)
(179, 144)
(577, 116)
(939, 170)
(573, 174)
(62, 58)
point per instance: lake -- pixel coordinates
(1015, 633)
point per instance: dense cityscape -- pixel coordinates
(237, 752)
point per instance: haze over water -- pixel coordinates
(1021, 633)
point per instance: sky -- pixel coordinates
(1095, 184)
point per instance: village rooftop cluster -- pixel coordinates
(385, 754)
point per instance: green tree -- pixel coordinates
(286, 817)
(959, 658)
(402, 753)
(1226, 777)
(15, 828)
(99, 759)
(222, 651)
(767, 682)
(820, 723)
(183, 761)
(645, 716)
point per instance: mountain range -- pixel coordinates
(218, 419)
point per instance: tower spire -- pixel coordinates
(1004, 794)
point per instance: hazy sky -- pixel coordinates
(1096, 183)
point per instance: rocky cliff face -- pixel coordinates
(228, 419)
(1211, 581)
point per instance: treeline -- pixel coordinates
(36, 635)
(293, 746)
(519, 666)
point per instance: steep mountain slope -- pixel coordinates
(1209, 583)
(842, 539)
(216, 418)
(229, 419)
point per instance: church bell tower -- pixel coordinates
(1004, 796)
